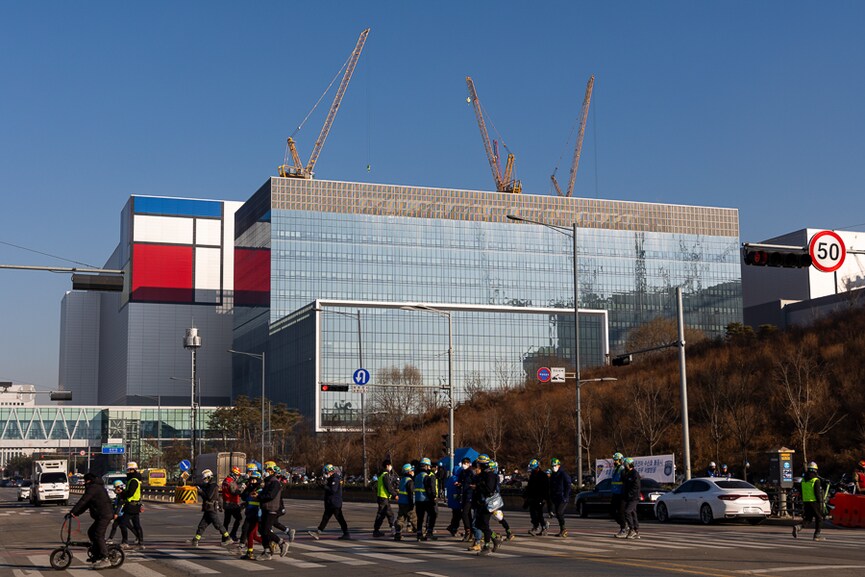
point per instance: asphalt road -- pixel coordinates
(28, 534)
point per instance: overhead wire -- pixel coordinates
(33, 250)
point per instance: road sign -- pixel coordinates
(827, 251)
(544, 374)
(113, 449)
(358, 389)
(557, 374)
(361, 377)
(82, 452)
(184, 465)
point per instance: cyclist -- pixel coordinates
(95, 500)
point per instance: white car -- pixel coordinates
(712, 498)
(24, 490)
(109, 479)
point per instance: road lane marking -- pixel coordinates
(788, 569)
(137, 570)
(428, 574)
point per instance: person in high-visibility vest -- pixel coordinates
(386, 490)
(405, 501)
(425, 495)
(132, 509)
(812, 503)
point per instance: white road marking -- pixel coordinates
(799, 568)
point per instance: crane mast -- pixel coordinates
(575, 165)
(297, 170)
(503, 183)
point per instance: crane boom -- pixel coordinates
(337, 99)
(491, 156)
(584, 114)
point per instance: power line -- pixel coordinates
(46, 254)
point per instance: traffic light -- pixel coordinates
(97, 282)
(787, 258)
(445, 444)
(334, 388)
(622, 360)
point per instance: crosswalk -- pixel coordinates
(162, 559)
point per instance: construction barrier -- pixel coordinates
(849, 510)
(186, 494)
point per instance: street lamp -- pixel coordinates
(259, 356)
(446, 314)
(362, 395)
(572, 233)
(192, 342)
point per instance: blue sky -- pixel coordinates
(754, 105)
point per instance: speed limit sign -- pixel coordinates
(827, 251)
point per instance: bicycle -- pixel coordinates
(61, 558)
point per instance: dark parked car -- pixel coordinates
(598, 499)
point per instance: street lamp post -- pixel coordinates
(572, 233)
(192, 342)
(259, 356)
(447, 315)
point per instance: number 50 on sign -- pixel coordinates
(827, 251)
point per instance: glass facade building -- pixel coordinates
(70, 429)
(329, 277)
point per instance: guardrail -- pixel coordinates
(168, 494)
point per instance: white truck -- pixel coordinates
(50, 482)
(219, 463)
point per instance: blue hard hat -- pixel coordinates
(407, 468)
(534, 464)
(426, 461)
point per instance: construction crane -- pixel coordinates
(584, 113)
(504, 183)
(297, 169)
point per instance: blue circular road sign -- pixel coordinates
(184, 465)
(544, 374)
(361, 377)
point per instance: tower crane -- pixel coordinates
(584, 113)
(504, 183)
(297, 169)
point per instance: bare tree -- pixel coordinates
(474, 385)
(654, 411)
(804, 389)
(494, 431)
(399, 397)
(537, 426)
(743, 417)
(507, 374)
(711, 408)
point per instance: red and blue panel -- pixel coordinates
(162, 273)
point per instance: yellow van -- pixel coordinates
(154, 477)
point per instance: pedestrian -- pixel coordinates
(95, 500)
(425, 494)
(560, 492)
(210, 509)
(631, 497)
(859, 478)
(269, 498)
(332, 503)
(454, 501)
(132, 506)
(725, 472)
(386, 491)
(812, 503)
(498, 513)
(617, 500)
(231, 488)
(465, 479)
(118, 502)
(283, 480)
(534, 496)
(712, 470)
(405, 503)
(484, 488)
(251, 511)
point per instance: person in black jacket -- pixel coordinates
(132, 503)
(536, 493)
(271, 503)
(96, 501)
(631, 496)
(560, 492)
(208, 490)
(485, 485)
(385, 491)
(465, 478)
(332, 503)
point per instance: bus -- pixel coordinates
(154, 477)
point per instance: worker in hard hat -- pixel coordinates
(131, 497)
(812, 503)
(208, 490)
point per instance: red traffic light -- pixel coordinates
(334, 388)
(776, 258)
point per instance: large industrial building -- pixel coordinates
(332, 277)
(126, 348)
(420, 287)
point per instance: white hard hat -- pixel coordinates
(712, 464)
(131, 465)
(207, 473)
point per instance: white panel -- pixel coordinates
(165, 229)
(207, 275)
(208, 231)
(229, 208)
